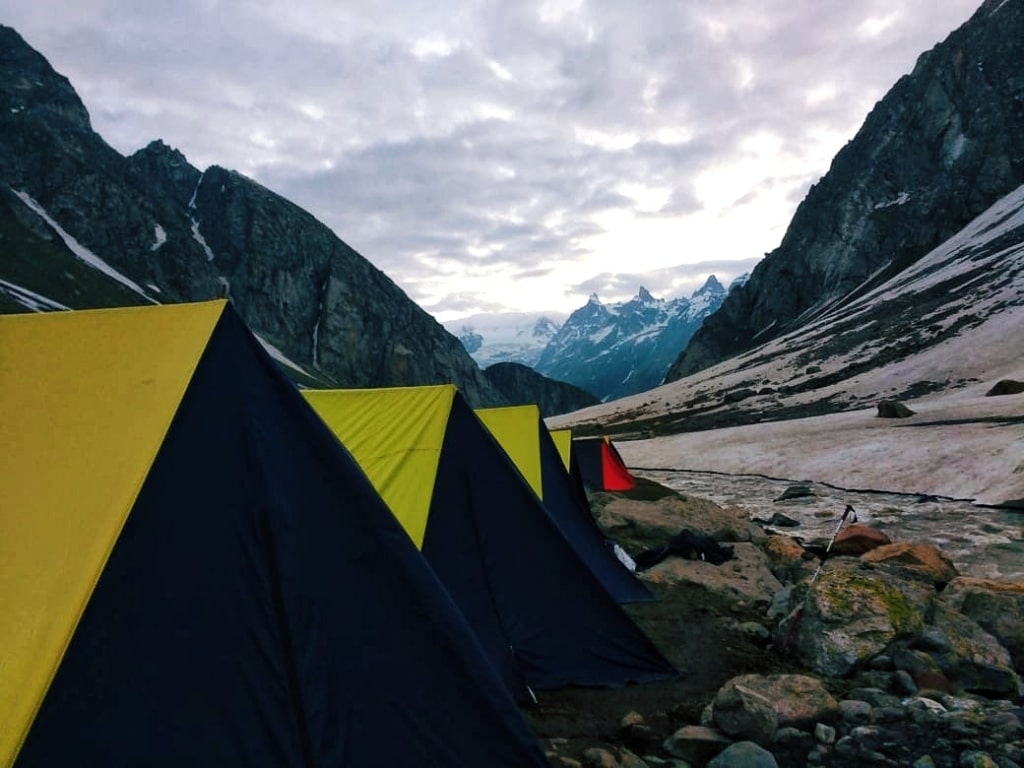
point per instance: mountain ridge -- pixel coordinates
(941, 146)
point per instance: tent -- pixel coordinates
(542, 616)
(522, 433)
(562, 438)
(193, 571)
(601, 466)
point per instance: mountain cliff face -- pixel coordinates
(523, 386)
(945, 143)
(83, 226)
(621, 349)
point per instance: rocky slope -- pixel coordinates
(522, 385)
(86, 227)
(943, 145)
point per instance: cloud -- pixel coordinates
(466, 148)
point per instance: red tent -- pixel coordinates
(600, 464)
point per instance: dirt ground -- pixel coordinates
(697, 630)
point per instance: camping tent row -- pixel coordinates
(545, 607)
(595, 460)
(194, 570)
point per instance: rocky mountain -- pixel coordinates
(953, 320)
(522, 385)
(83, 226)
(508, 337)
(944, 144)
(614, 350)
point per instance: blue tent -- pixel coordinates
(194, 572)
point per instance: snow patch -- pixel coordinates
(81, 251)
(30, 299)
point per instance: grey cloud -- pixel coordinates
(476, 136)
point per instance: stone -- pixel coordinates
(918, 559)
(744, 754)
(854, 712)
(857, 538)
(745, 713)
(1006, 387)
(997, 606)
(741, 706)
(976, 661)
(892, 409)
(846, 618)
(696, 743)
(598, 757)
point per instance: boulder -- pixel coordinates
(744, 711)
(975, 661)
(747, 578)
(796, 701)
(795, 492)
(857, 538)
(893, 409)
(1006, 387)
(848, 616)
(696, 743)
(642, 524)
(914, 559)
(997, 606)
(744, 754)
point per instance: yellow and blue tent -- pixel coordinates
(562, 438)
(542, 616)
(193, 571)
(520, 430)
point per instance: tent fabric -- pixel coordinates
(563, 441)
(543, 618)
(259, 606)
(520, 430)
(601, 465)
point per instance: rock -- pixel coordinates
(744, 754)
(600, 758)
(997, 606)
(782, 549)
(642, 524)
(855, 712)
(696, 743)
(845, 618)
(976, 661)
(892, 409)
(786, 558)
(746, 578)
(629, 760)
(795, 492)
(743, 712)
(754, 706)
(923, 560)
(857, 539)
(1006, 387)
(631, 718)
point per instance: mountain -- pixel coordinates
(522, 385)
(945, 143)
(83, 226)
(952, 321)
(614, 350)
(507, 337)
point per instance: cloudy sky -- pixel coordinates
(497, 155)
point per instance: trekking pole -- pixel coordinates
(842, 521)
(794, 617)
